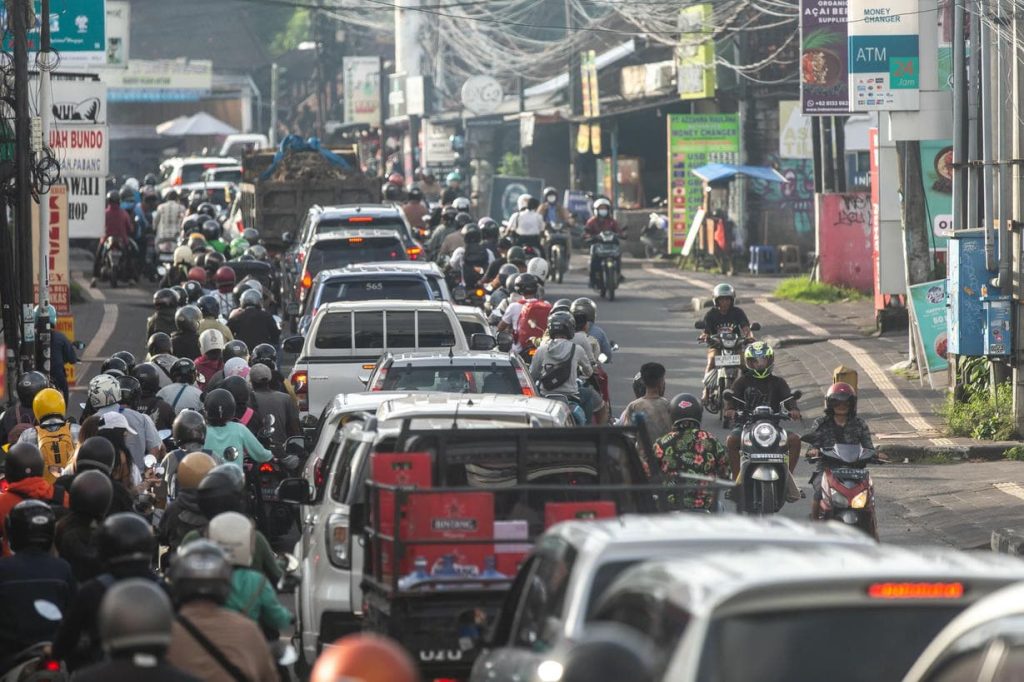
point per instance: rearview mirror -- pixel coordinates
(295, 491)
(797, 395)
(296, 445)
(602, 358)
(364, 379)
(270, 421)
(755, 327)
(699, 324)
(149, 461)
(78, 345)
(727, 394)
(482, 342)
(293, 344)
(230, 454)
(505, 342)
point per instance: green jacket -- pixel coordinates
(263, 558)
(253, 596)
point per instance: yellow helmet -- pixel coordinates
(192, 468)
(47, 403)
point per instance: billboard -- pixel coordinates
(362, 90)
(884, 55)
(695, 54)
(77, 31)
(824, 80)
(57, 239)
(794, 132)
(78, 131)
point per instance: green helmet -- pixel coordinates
(238, 247)
(759, 359)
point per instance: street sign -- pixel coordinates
(78, 130)
(884, 55)
(56, 231)
(159, 80)
(482, 95)
(119, 14)
(77, 31)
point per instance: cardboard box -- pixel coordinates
(556, 512)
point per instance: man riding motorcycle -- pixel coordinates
(553, 214)
(117, 225)
(689, 449)
(471, 261)
(526, 226)
(602, 221)
(723, 316)
(559, 364)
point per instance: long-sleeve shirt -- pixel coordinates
(167, 220)
(253, 596)
(117, 224)
(234, 434)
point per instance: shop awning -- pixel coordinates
(723, 172)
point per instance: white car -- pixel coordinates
(332, 492)
(186, 170)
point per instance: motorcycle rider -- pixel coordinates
(165, 303)
(454, 240)
(223, 431)
(20, 413)
(527, 286)
(62, 353)
(279, 404)
(224, 279)
(183, 394)
(559, 362)
(183, 514)
(117, 224)
(652, 407)
(446, 228)
(366, 657)
(141, 435)
(554, 213)
(453, 189)
(189, 434)
(91, 495)
(840, 425)
(414, 208)
(253, 324)
(232, 349)
(149, 401)
(527, 224)
(168, 217)
(723, 316)
(584, 310)
(689, 449)
(23, 471)
(239, 388)
(472, 259)
(54, 435)
(185, 339)
(602, 221)
(265, 354)
(210, 307)
(208, 640)
(428, 184)
(211, 344)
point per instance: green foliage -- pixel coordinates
(819, 38)
(803, 289)
(512, 164)
(975, 375)
(1015, 454)
(981, 415)
(295, 31)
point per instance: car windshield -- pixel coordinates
(333, 225)
(337, 253)
(405, 289)
(224, 175)
(193, 172)
(448, 379)
(798, 645)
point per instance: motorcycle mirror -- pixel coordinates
(270, 421)
(162, 270)
(149, 461)
(277, 321)
(797, 395)
(163, 434)
(602, 358)
(755, 327)
(159, 471)
(615, 347)
(727, 394)
(230, 455)
(699, 324)
(505, 342)
(288, 656)
(78, 345)
(289, 563)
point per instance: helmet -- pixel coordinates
(104, 390)
(23, 461)
(196, 274)
(115, 367)
(187, 319)
(225, 278)
(182, 255)
(251, 299)
(260, 375)
(462, 219)
(165, 298)
(211, 340)
(448, 214)
(197, 242)
(759, 359)
(391, 193)
(258, 252)
(113, 197)
(125, 537)
(539, 267)
(415, 194)
(561, 326)
(396, 179)
(91, 494)
(96, 454)
(207, 209)
(489, 229)
(687, 408)
(585, 308)
(367, 657)
(723, 290)
(517, 255)
(188, 427)
(200, 571)
(47, 403)
(150, 179)
(548, 191)
(221, 490)
(454, 176)
(609, 651)
(841, 392)
(192, 223)
(461, 204)
(507, 270)
(31, 524)
(236, 535)
(129, 359)
(220, 406)
(235, 348)
(237, 247)
(602, 203)
(208, 306)
(561, 305)
(165, 361)
(264, 354)
(180, 292)
(523, 201)
(193, 290)
(470, 234)
(213, 262)
(130, 390)
(132, 184)
(240, 392)
(639, 388)
(510, 281)
(183, 371)
(527, 284)
(148, 376)
(29, 384)
(128, 193)
(158, 343)
(135, 616)
(193, 467)
(236, 367)
(250, 235)
(243, 287)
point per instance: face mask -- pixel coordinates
(551, 198)
(602, 212)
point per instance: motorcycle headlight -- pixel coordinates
(860, 500)
(838, 501)
(765, 434)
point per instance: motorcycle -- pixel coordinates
(728, 360)
(165, 252)
(34, 664)
(605, 253)
(556, 238)
(764, 456)
(115, 262)
(847, 493)
(655, 235)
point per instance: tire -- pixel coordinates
(765, 501)
(650, 251)
(112, 277)
(612, 279)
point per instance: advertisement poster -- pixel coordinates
(695, 140)
(505, 191)
(159, 80)
(78, 135)
(57, 235)
(119, 13)
(695, 54)
(77, 31)
(937, 172)
(362, 90)
(824, 80)
(928, 304)
(794, 132)
(884, 55)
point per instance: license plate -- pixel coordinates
(727, 361)
(269, 493)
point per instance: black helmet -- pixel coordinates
(113, 197)
(391, 193)
(189, 427)
(415, 194)
(29, 384)
(91, 494)
(471, 234)
(148, 376)
(187, 319)
(609, 651)
(114, 366)
(165, 298)
(125, 537)
(562, 305)
(214, 262)
(516, 255)
(165, 361)
(192, 223)
(23, 461)
(183, 371)
(242, 287)
(251, 299)
(30, 525)
(193, 290)
(209, 210)
(264, 354)
(236, 348)
(448, 214)
(135, 616)
(212, 230)
(250, 235)
(585, 308)
(220, 406)
(159, 344)
(221, 490)
(561, 326)
(527, 284)
(131, 389)
(96, 454)
(505, 271)
(182, 295)
(150, 180)
(127, 194)
(258, 252)
(129, 359)
(686, 407)
(239, 388)
(463, 219)
(209, 306)
(201, 570)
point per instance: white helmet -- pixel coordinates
(539, 267)
(209, 340)
(236, 367)
(132, 184)
(461, 204)
(524, 200)
(602, 203)
(104, 390)
(183, 256)
(236, 535)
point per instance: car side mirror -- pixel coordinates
(296, 445)
(295, 491)
(699, 324)
(364, 379)
(293, 344)
(482, 342)
(755, 327)
(797, 394)
(505, 342)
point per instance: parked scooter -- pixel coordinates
(728, 346)
(35, 665)
(847, 493)
(556, 239)
(655, 235)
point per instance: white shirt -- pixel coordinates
(527, 223)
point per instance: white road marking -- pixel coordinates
(1011, 489)
(778, 311)
(96, 294)
(103, 334)
(692, 281)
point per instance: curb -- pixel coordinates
(1008, 541)
(914, 452)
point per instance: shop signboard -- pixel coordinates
(695, 54)
(56, 234)
(505, 193)
(937, 172)
(78, 133)
(928, 304)
(884, 55)
(362, 90)
(824, 79)
(159, 80)
(85, 206)
(794, 132)
(77, 31)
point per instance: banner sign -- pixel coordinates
(937, 171)
(56, 234)
(362, 90)
(794, 132)
(695, 140)
(695, 54)
(77, 31)
(85, 206)
(78, 135)
(824, 80)
(193, 76)
(505, 192)
(884, 55)
(928, 304)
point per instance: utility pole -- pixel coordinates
(1017, 184)
(574, 91)
(43, 311)
(274, 94)
(23, 178)
(318, 38)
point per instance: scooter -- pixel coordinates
(764, 456)
(847, 493)
(35, 665)
(655, 235)
(728, 348)
(605, 253)
(115, 262)
(556, 237)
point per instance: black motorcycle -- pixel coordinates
(728, 347)
(764, 456)
(556, 241)
(116, 262)
(605, 254)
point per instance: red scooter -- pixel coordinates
(847, 493)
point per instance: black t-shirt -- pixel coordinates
(771, 390)
(735, 319)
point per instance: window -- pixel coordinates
(401, 329)
(337, 253)
(435, 330)
(369, 329)
(335, 332)
(435, 288)
(452, 379)
(374, 290)
(343, 474)
(470, 328)
(540, 610)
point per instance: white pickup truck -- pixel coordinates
(346, 339)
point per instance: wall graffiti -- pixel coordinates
(845, 240)
(794, 198)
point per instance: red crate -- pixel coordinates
(556, 512)
(398, 468)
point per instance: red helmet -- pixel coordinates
(225, 278)
(397, 179)
(197, 274)
(366, 657)
(841, 392)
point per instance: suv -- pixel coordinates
(861, 612)
(585, 557)
(332, 492)
(471, 373)
(186, 170)
(232, 174)
(345, 341)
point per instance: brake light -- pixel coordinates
(51, 666)
(414, 252)
(524, 383)
(355, 240)
(300, 384)
(177, 181)
(337, 540)
(378, 383)
(307, 280)
(361, 219)
(266, 468)
(300, 257)
(916, 590)
(319, 475)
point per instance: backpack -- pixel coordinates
(533, 321)
(56, 448)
